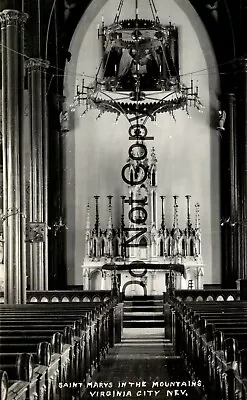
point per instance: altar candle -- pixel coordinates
(191, 85)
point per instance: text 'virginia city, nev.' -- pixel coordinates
(138, 389)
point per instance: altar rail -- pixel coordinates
(207, 295)
(65, 296)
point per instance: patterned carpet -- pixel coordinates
(141, 367)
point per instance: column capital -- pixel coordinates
(12, 17)
(37, 64)
(243, 63)
(231, 97)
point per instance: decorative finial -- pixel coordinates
(197, 223)
(122, 215)
(175, 221)
(110, 224)
(188, 214)
(88, 233)
(153, 156)
(163, 213)
(88, 218)
(97, 223)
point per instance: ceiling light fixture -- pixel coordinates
(138, 74)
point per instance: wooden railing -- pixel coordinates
(206, 295)
(67, 296)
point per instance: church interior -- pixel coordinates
(123, 199)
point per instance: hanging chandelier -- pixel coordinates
(138, 73)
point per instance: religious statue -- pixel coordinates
(176, 242)
(68, 6)
(64, 121)
(221, 121)
(197, 242)
(212, 6)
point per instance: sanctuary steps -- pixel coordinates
(141, 312)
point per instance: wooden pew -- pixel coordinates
(89, 326)
(32, 332)
(212, 339)
(41, 329)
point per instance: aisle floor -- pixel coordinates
(142, 366)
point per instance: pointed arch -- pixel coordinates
(161, 248)
(102, 247)
(153, 177)
(143, 242)
(116, 246)
(95, 247)
(143, 248)
(184, 246)
(168, 245)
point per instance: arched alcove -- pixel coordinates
(187, 150)
(133, 287)
(143, 250)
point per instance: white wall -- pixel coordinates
(187, 150)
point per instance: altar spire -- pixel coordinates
(197, 222)
(175, 220)
(97, 220)
(110, 224)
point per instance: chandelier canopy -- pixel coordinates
(138, 73)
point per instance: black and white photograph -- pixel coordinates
(123, 199)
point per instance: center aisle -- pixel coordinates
(142, 366)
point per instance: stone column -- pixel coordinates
(39, 177)
(45, 170)
(12, 22)
(234, 215)
(242, 156)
